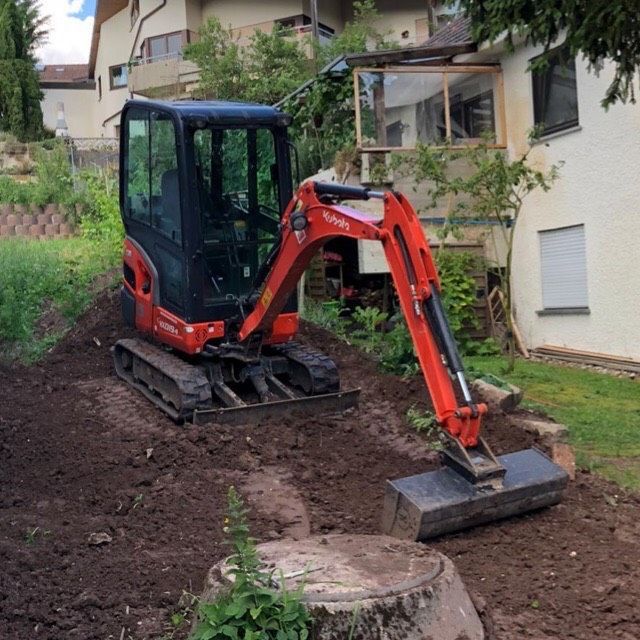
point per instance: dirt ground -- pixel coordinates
(80, 454)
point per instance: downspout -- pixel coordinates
(142, 21)
(162, 4)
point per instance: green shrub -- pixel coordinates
(53, 276)
(101, 221)
(250, 609)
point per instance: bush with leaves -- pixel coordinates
(250, 609)
(267, 69)
(101, 221)
(494, 188)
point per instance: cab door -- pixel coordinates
(151, 204)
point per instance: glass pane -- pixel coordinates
(165, 186)
(158, 46)
(401, 109)
(175, 44)
(237, 175)
(170, 276)
(119, 76)
(471, 107)
(267, 186)
(560, 97)
(137, 178)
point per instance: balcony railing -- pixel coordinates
(162, 76)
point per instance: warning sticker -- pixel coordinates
(266, 296)
(301, 236)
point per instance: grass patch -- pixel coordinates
(601, 411)
(52, 277)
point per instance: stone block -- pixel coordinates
(51, 208)
(496, 398)
(57, 218)
(6, 208)
(44, 218)
(20, 209)
(51, 229)
(36, 210)
(22, 230)
(3, 219)
(4, 230)
(36, 230)
(28, 219)
(66, 229)
(12, 219)
(544, 428)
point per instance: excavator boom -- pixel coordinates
(439, 501)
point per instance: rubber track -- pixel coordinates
(189, 380)
(321, 369)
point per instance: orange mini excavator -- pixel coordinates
(216, 243)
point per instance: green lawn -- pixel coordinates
(601, 411)
(51, 276)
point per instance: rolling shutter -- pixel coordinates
(564, 268)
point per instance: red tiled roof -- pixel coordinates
(458, 31)
(64, 73)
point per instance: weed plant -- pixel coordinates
(250, 609)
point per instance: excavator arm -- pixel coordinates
(311, 219)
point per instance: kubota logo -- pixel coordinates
(168, 327)
(332, 218)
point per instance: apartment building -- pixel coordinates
(136, 49)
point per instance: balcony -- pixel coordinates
(167, 76)
(301, 32)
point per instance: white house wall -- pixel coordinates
(78, 110)
(118, 43)
(598, 187)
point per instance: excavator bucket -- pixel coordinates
(444, 501)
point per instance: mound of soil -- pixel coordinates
(80, 454)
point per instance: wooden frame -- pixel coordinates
(445, 71)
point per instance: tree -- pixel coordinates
(358, 35)
(324, 118)
(268, 68)
(495, 189)
(599, 29)
(217, 54)
(35, 24)
(20, 94)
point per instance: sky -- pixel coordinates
(70, 26)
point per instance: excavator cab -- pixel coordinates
(202, 189)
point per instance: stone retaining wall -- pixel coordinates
(34, 222)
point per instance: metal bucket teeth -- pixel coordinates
(432, 504)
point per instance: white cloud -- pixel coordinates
(69, 35)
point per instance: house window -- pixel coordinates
(563, 259)
(555, 95)
(118, 76)
(165, 46)
(135, 11)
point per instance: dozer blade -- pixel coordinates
(327, 403)
(443, 501)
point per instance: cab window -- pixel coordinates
(238, 197)
(152, 179)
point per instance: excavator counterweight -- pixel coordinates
(210, 273)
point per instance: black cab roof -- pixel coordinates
(219, 112)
